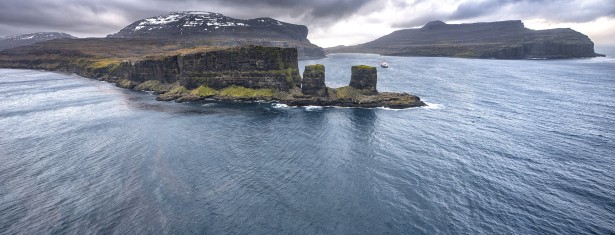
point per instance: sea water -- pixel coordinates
(504, 147)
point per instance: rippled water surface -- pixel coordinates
(504, 147)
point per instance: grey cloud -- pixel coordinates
(558, 10)
(554, 10)
(85, 16)
(420, 20)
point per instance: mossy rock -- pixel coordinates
(349, 92)
(363, 67)
(155, 86)
(125, 83)
(203, 91)
(247, 93)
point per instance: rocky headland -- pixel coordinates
(499, 40)
(175, 72)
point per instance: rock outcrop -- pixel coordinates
(213, 29)
(313, 82)
(361, 91)
(365, 78)
(500, 40)
(28, 39)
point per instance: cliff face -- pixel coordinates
(247, 66)
(217, 30)
(501, 40)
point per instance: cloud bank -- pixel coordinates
(330, 22)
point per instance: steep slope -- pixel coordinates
(27, 39)
(501, 40)
(218, 30)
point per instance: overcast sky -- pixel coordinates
(331, 23)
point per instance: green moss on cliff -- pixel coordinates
(153, 85)
(363, 67)
(125, 83)
(349, 92)
(346, 92)
(203, 91)
(178, 90)
(242, 92)
(105, 63)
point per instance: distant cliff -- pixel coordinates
(500, 40)
(27, 39)
(215, 29)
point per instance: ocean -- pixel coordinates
(503, 147)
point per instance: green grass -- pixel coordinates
(346, 92)
(242, 92)
(125, 83)
(363, 67)
(178, 90)
(203, 91)
(105, 63)
(152, 85)
(315, 68)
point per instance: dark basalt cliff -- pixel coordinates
(215, 29)
(500, 40)
(28, 39)
(181, 73)
(247, 66)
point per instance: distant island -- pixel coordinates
(498, 40)
(197, 67)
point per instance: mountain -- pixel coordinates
(27, 39)
(219, 30)
(500, 40)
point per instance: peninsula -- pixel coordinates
(498, 40)
(243, 73)
(199, 67)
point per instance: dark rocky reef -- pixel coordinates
(500, 40)
(28, 39)
(213, 29)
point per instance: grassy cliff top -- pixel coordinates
(109, 49)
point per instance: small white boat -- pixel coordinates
(384, 64)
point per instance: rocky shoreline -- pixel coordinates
(361, 92)
(173, 72)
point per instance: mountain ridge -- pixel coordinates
(8, 42)
(221, 30)
(500, 40)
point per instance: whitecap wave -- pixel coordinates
(312, 108)
(433, 106)
(280, 106)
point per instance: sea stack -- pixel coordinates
(313, 82)
(364, 78)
